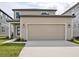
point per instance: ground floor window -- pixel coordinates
(18, 30)
(3, 29)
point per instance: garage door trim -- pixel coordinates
(27, 31)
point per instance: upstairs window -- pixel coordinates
(3, 29)
(78, 25)
(44, 13)
(73, 14)
(0, 24)
(1, 15)
(17, 15)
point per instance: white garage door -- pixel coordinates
(46, 32)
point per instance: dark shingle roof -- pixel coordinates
(34, 9)
(47, 16)
(13, 20)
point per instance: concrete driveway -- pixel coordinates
(49, 43)
(50, 52)
(50, 49)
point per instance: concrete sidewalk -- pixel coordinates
(9, 41)
(50, 52)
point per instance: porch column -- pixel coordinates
(14, 33)
(9, 30)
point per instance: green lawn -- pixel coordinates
(76, 41)
(2, 40)
(10, 49)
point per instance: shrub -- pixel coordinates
(7, 37)
(20, 39)
(77, 37)
(12, 36)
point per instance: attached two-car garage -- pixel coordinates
(46, 32)
(37, 27)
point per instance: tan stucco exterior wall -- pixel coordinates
(44, 20)
(33, 13)
(36, 12)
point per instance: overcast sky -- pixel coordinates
(60, 6)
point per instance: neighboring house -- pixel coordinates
(74, 10)
(4, 25)
(41, 24)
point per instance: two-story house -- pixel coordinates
(41, 24)
(4, 25)
(74, 10)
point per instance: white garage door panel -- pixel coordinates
(46, 32)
